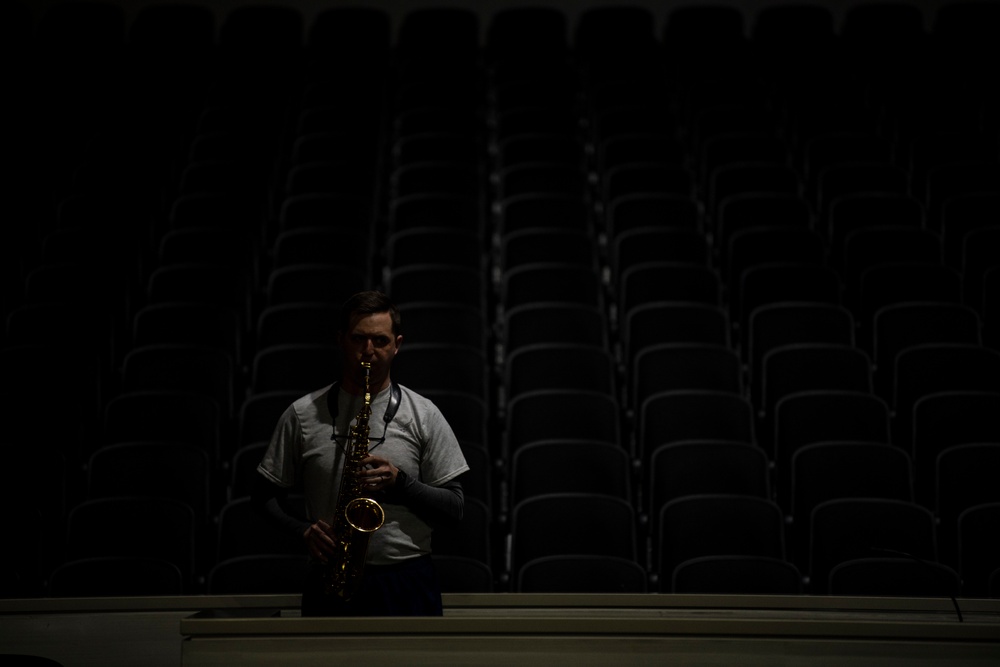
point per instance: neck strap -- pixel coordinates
(390, 410)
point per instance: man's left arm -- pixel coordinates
(445, 502)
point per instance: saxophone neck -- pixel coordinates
(368, 384)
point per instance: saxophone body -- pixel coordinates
(356, 516)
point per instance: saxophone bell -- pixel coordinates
(364, 515)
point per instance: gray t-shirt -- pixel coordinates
(418, 441)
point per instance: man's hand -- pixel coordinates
(319, 540)
(378, 474)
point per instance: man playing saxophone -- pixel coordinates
(410, 468)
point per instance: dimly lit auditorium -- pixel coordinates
(692, 310)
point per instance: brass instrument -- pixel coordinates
(356, 516)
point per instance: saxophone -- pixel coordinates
(356, 516)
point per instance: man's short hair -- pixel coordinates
(368, 303)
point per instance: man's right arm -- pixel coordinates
(272, 501)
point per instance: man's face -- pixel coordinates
(369, 338)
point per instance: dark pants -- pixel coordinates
(409, 588)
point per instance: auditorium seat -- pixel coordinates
(945, 419)
(759, 146)
(895, 282)
(443, 366)
(433, 245)
(448, 284)
(832, 469)
(435, 146)
(581, 573)
(318, 245)
(190, 323)
(898, 326)
(337, 180)
(551, 322)
(770, 283)
(548, 366)
(832, 148)
(788, 369)
(753, 177)
(740, 113)
(550, 282)
(335, 211)
(477, 482)
(734, 575)
(546, 245)
(705, 466)
(537, 114)
(242, 470)
(116, 576)
(964, 476)
(658, 243)
(659, 322)
(207, 371)
(649, 209)
(560, 524)
(556, 148)
(747, 248)
(295, 322)
(214, 210)
(930, 368)
(962, 214)
(541, 210)
(980, 253)
(847, 178)
(773, 325)
(583, 465)
(469, 538)
(30, 371)
(668, 281)
(258, 574)
(316, 282)
(977, 548)
(436, 322)
(158, 468)
(958, 178)
(241, 530)
(633, 178)
(197, 282)
(846, 529)
(893, 577)
(44, 323)
(990, 308)
(579, 414)
(827, 414)
(692, 414)
(636, 145)
(761, 209)
(467, 414)
(716, 525)
(884, 244)
(434, 177)
(258, 414)
(437, 210)
(459, 574)
(167, 415)
(862, 210)
(161, 527)
(681, 366)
